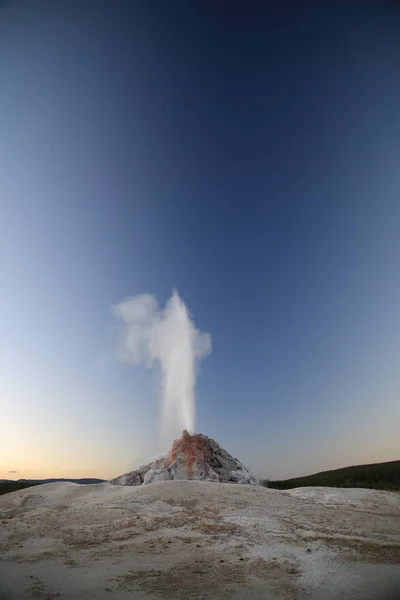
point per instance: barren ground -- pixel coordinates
(188, 539)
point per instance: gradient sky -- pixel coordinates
(249, 157)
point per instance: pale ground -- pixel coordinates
(186, 539)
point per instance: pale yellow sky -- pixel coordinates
(56, 456)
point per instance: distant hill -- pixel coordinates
(82, 481)
(7, 485)
(380, 476)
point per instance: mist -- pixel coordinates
(165, 339)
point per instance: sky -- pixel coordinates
(245, 154)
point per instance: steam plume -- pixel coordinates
(167, 337)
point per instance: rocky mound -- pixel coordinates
(191, 457)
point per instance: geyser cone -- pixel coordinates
(191, 457)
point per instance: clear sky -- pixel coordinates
(249, 157)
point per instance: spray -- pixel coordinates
(169, 340)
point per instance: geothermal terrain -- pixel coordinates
(198, 539)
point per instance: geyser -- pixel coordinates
(169, 339)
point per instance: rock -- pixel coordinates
(191, 457)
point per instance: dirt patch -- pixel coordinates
(39, 590)
(12, 514)
(205, 520)
(170, 522)
(70, 562)
(161, 545)
(190, 504)
(189, 579)
(37, 557)
(212, 528)
(118, 531)
(362, 550)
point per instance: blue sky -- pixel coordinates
(248, 157)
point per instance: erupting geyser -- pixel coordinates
(169, 337)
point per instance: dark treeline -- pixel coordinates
(380, 476)
(13, 486)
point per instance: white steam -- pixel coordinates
(167, 337)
